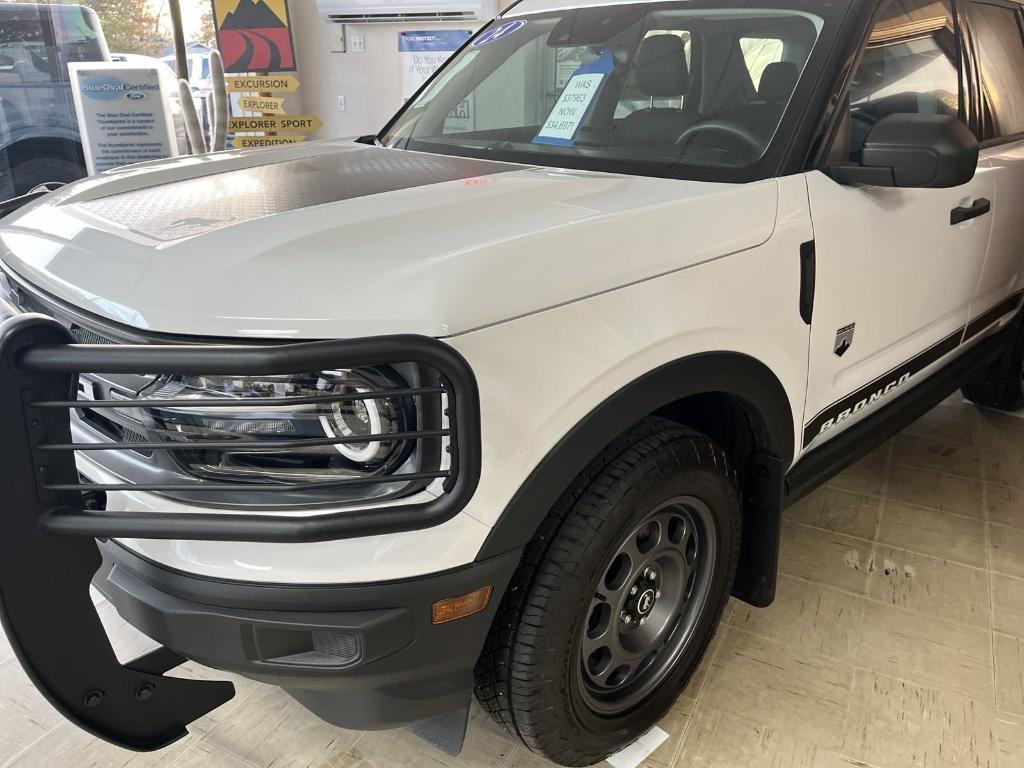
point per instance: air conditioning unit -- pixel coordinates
(390, 11)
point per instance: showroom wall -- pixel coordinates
(370, 82)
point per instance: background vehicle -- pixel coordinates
(39, 140)
(586, 336)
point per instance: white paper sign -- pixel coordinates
(571, 107)
(124, 115)
(639, 750)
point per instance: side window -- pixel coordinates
(758, 53)
(910, 65)
(27, 51)
(75, 36)
(999, 44)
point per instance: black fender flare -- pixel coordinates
(731, 373)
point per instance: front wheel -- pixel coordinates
(617, 598)
(29, 174)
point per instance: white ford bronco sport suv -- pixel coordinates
(511, 395)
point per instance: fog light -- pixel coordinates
(453, 608)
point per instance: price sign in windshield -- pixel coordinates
(579, 93)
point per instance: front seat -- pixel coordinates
(661, 73)
(761, 114)
(778, 81)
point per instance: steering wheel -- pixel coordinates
(722, 126)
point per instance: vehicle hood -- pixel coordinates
(337, 240)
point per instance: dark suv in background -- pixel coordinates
(39, 139)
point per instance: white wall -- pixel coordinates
(371, 82)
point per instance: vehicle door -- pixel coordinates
(994, 36)
(896, 268)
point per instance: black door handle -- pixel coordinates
(979, 207)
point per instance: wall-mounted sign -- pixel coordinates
(254, 142)
(124, 115)
(272, 104)
(275, 123)
(421, 53)
(262, 83)
(254, 35)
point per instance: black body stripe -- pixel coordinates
(980, 323)
(894, 377)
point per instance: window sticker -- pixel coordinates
(500, 31)
(572, 106)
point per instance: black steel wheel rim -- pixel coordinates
(646, 605)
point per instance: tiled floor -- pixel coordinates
(897, 641)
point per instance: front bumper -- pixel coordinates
(362, 657)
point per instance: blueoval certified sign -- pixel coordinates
(104, 87)
(123, 114)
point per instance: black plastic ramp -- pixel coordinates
(45, 606)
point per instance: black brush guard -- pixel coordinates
(48, 555)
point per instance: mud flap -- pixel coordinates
(762, 529)
(447, 732)
(45, 606)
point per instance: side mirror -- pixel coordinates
(909, 150)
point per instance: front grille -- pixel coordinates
(115, 432)
(81, 333)
(86, 336)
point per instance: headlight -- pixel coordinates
(311, 427)
(359, 418)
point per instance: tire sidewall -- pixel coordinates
(40, 170)
(717, 492)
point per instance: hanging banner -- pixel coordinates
(271, 104)
(254, 35)
(124, 116)
(420, 54)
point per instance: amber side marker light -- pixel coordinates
(453, 608)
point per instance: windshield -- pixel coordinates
(661, 89)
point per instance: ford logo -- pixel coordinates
(134, 95)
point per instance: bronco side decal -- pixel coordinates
(891, 381)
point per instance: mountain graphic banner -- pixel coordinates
(254, 35)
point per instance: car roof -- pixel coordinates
(12, 8)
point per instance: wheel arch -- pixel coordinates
(733, 398)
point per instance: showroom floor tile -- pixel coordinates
(896, 641)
